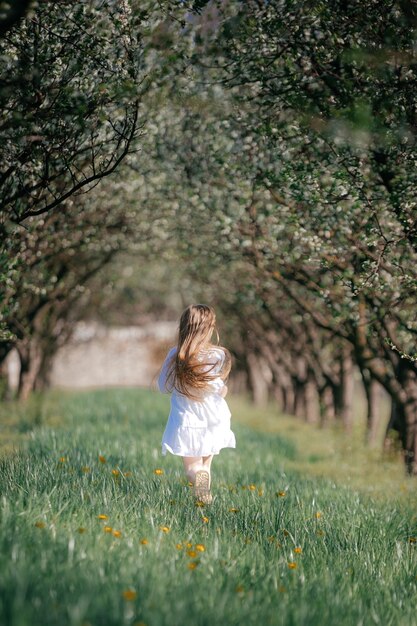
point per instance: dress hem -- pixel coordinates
(166, 448)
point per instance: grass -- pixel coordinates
(279, 545)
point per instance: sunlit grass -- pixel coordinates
(97, 528)
(331, 453)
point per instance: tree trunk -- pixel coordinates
(259, 378)
(372, 408)
(30, 355)
(289, 398)
(327, 408)
(347, 383)
(311, 395)
(404, 415)
(299, 399)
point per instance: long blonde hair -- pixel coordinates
(186, 372)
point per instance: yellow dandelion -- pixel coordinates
(192, 553)
(40, 524)
(129, 595)
(252, 487)
(165, 529)
(205, 519)
(298, 550)
(199, 503)
(200, 547)
(62, 459)
(233, 510)
(81, 530)
(117, 533)
(292, 565)
(158, 471)
(178, 546)
(85, 469)
(192, 565)
(115, 472)
(108, 529)
(318, 514)
(102, 458)
(281, 494)
(102, 516)
(144, 542)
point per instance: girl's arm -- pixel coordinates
(223, 391)
(162, 378)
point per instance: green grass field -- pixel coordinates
(97, 528)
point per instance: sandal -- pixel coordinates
(202, 486)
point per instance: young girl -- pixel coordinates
(194, 372)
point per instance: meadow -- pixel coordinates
(98, 529)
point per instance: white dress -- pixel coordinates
(197, 428)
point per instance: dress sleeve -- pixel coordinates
(162, 379)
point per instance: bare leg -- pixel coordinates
(191, 465)
(207, 462)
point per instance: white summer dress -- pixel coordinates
(197, 428)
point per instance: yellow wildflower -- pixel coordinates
(200, 547)
(102, 458)
(281, 494)
(318, 514)
(62, 459)
(115, 472)
(108, 529)
(178, 546)
(260, 492)
(292, 565)
(192, 565)
(144, 542)
(129, 594)
(205, 519)
(192, 553)
(298, 550)
(252, 487)
(158, 471)
(117, 533)
(233, 510)
(102, 516)
(165, 529)
(199, 503)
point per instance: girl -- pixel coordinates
(194, 372)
